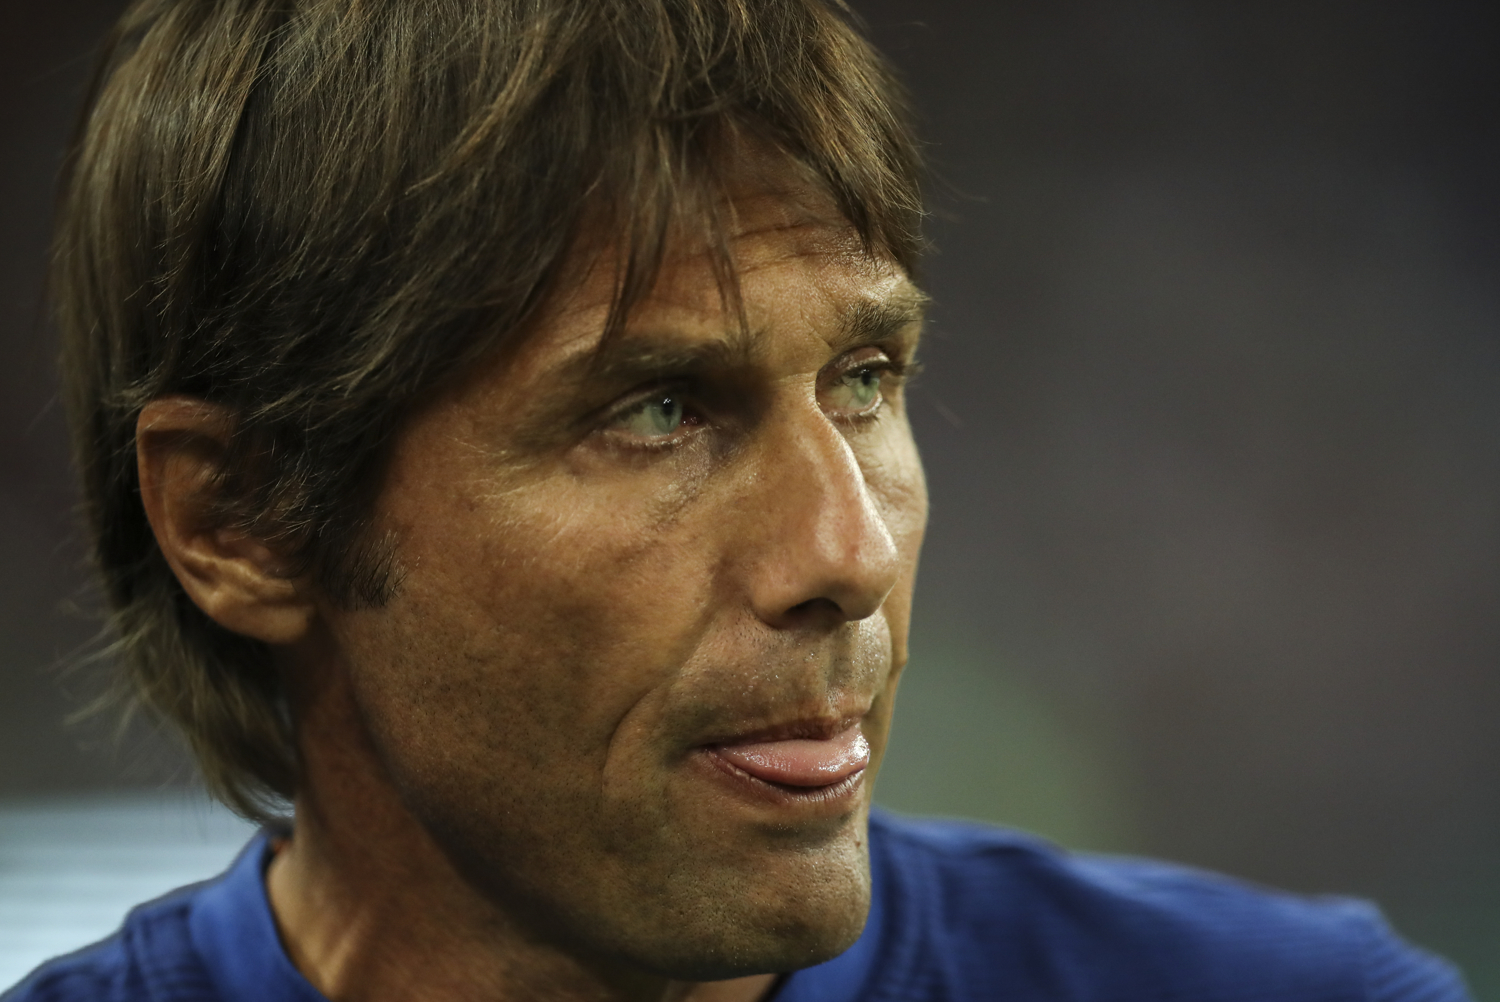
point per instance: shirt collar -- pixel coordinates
(235, 934)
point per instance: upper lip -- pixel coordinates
(814, 728)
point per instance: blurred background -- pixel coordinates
(1211, 417)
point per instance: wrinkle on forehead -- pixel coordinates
(687, 284)
(777, 227)
(661, 346)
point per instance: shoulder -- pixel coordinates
(149, 959)
(993, 904)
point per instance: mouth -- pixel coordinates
(805, 763)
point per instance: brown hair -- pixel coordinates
(313, 211)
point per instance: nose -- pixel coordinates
(823, 552)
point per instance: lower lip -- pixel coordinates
(796, 770)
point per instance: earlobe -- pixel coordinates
(236, 579)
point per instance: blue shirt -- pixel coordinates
(959, 912)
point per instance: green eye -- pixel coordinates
(858, 390)
(654, 417)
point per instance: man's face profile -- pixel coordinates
(654, 599)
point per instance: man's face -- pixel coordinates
(656, 590)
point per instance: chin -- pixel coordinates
(773, 930)
(691, 909)
(774, 899)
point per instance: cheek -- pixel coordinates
(893, 473)
(529, 624)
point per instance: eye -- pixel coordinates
(857, 392)
(656, 416)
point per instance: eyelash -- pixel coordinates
(893, 373)
(692, 417)
(887, 369)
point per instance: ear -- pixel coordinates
(235, 578)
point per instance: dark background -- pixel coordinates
(1211, 417)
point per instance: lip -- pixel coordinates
(813, 727)
(803, 763)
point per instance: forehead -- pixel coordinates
(790, 264)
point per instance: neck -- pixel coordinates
(370, 908)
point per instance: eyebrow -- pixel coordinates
(631, 359)
(870, 321)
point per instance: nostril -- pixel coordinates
(815, 608)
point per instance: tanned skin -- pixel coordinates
(614, 558)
